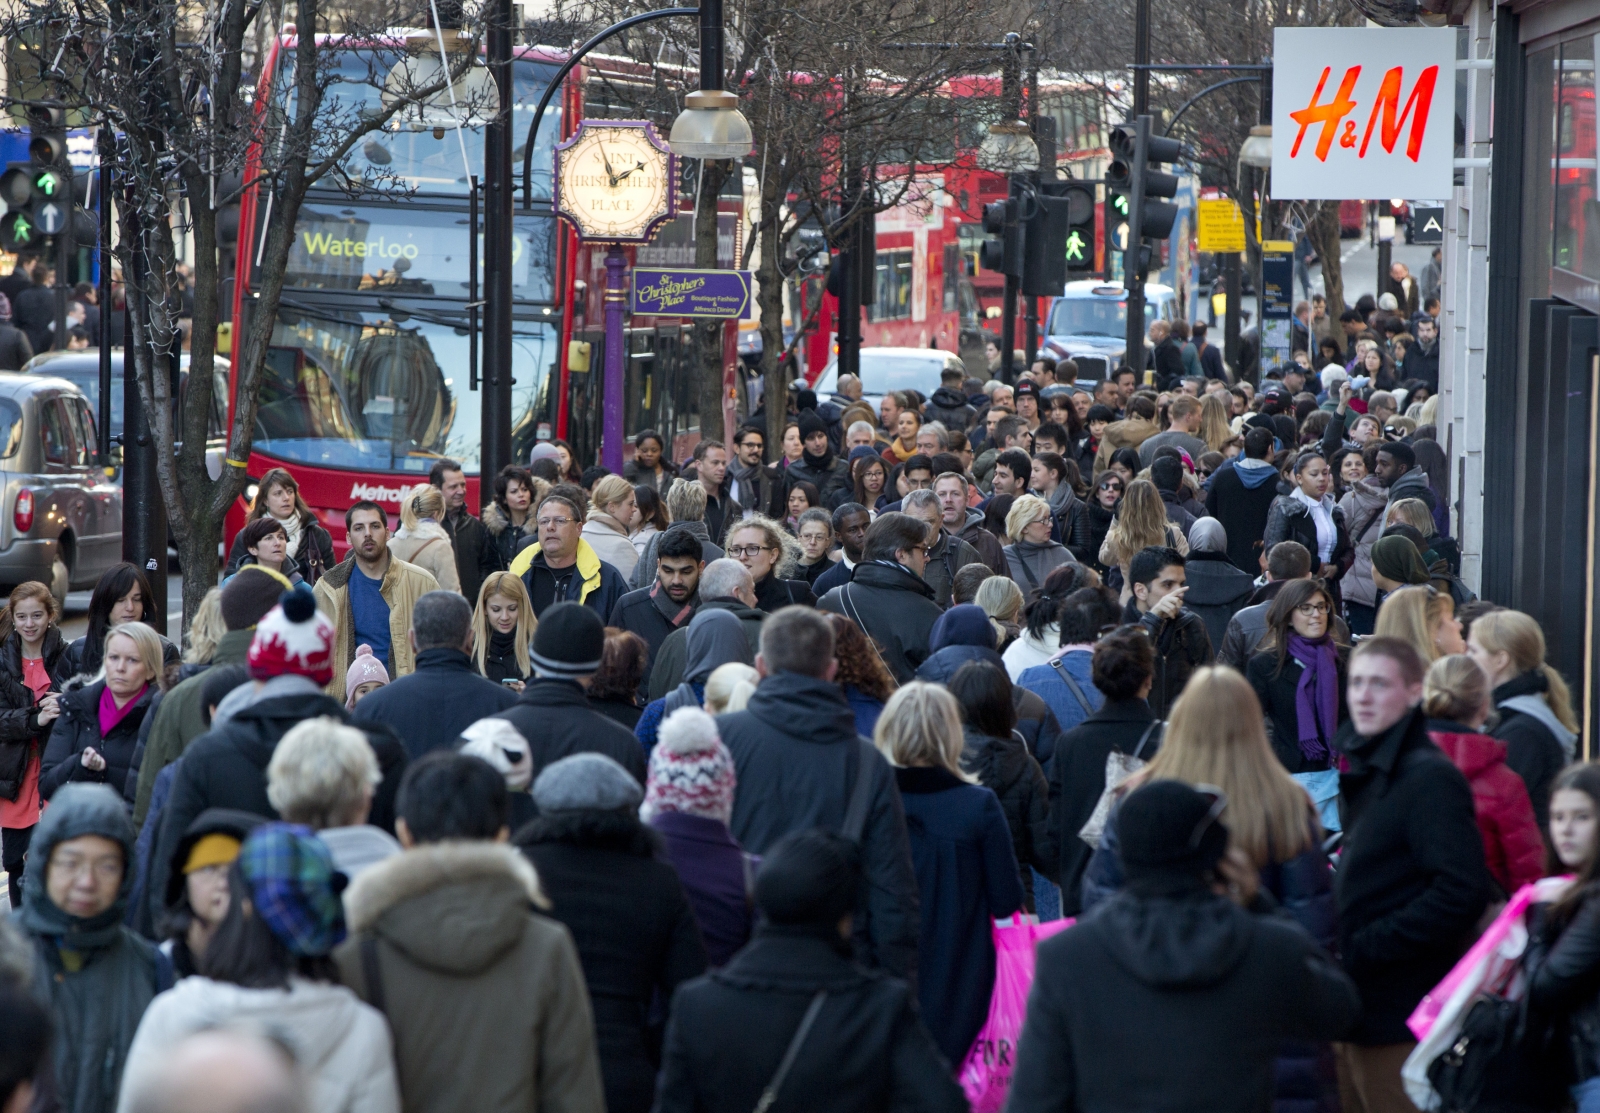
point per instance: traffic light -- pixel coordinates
(47, 142)
(1136, 169)
(1054, 240)
(17, 231)
(1116, 220)
(1003, 254)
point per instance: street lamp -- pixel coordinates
(711, 125)
(430, 57)
(1008, 148)
(1257, 149)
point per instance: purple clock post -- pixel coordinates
(616, 183)
(612, 434)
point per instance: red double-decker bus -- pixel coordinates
(367, 381)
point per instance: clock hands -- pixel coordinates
(638, 165)
(610, 173)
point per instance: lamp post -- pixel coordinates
(494, 450)
(1009, 148)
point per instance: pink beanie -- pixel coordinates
(363, 670)
(691, 770)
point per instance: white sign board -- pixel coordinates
(1363, 112)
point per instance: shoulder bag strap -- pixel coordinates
(770, 1094)
(855, 812)
(371, 974)
(847, 597)
(1033, 580)
(1145, 737)
(1077, 692)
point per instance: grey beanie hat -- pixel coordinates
(586, 782)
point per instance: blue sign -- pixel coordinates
(692, 293)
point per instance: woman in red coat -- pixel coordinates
(1456, 699)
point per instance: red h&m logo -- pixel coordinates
(1387, 115)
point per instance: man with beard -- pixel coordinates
(818, 465)
(756, 486)
(668, 604)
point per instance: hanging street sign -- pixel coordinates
(1372, 116)
(1427, 225)
(1220, 227)
(692, 293)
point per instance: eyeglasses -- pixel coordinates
(553, 523)
(748, 550)
(103, 869)
(1311, 609)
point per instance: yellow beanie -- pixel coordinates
(212, 850)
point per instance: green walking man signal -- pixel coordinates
(1075, 247)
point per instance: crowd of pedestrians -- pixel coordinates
(702, 787)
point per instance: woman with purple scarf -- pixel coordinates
(1298, 675)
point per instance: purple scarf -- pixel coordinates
(1316, 696)
(110, 713)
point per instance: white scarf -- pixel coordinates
(1322, 516)
(294, 527)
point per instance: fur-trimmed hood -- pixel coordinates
(452, 906)
(497, 521)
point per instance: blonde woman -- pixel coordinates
(1535, 706)
(98, 731)
(772, 555)
(611, 508)
(1216, 736)
(421, 540)
(502, 630)
(206, 630)
(966, 868)
(1215, 428)
(1032, 556)
(1425, 617)
(730, 686)
(1141, 523)
(1001, 600)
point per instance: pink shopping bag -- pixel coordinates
(986, 1073)
(1489, 958)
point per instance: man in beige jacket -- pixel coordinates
(369, 596)
(1132, 431)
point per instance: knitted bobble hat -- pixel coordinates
(364, 669)
(691, 770)
(294, 638)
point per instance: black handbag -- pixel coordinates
(1491, 1027)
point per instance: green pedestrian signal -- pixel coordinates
(17, 231)
(1075, 247)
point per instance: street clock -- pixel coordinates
(615, 181)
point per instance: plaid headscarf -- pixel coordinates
(295, 887)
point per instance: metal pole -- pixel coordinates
(1141, 57)
(1008, 306)
(144, 517)
(103, 416)
(711, 61)
(1132, 271)
(63, 247)
(1385, 251)
(1230, 323)
(616, 358)
(1030, 332)
(472, 282)
(498, 229)
(852, 258)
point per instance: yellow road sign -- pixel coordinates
(1220, 226)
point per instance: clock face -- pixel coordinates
(615, 181)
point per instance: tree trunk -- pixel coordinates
(1324, 233)
(708, 333)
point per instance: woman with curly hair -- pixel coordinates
(770, 553)
(863, 677)
(506, 517)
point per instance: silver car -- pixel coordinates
(60, 516)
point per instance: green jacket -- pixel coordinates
(180, 720)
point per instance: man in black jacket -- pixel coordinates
(797, 756)
(227, 766)
(1181, 642)
(725, 585)
(887, 596)
(949, 406)
(15, 348)
(1166, 356)
(654, 612)
(818, 464)
(729, 1030)
(1412, 881)
(553, 714)
(1170, 994)
(35, 307)
(476, 554)
(446, 694)
(710, 469)
(954, 496)
(850, 523)
(758, 486)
